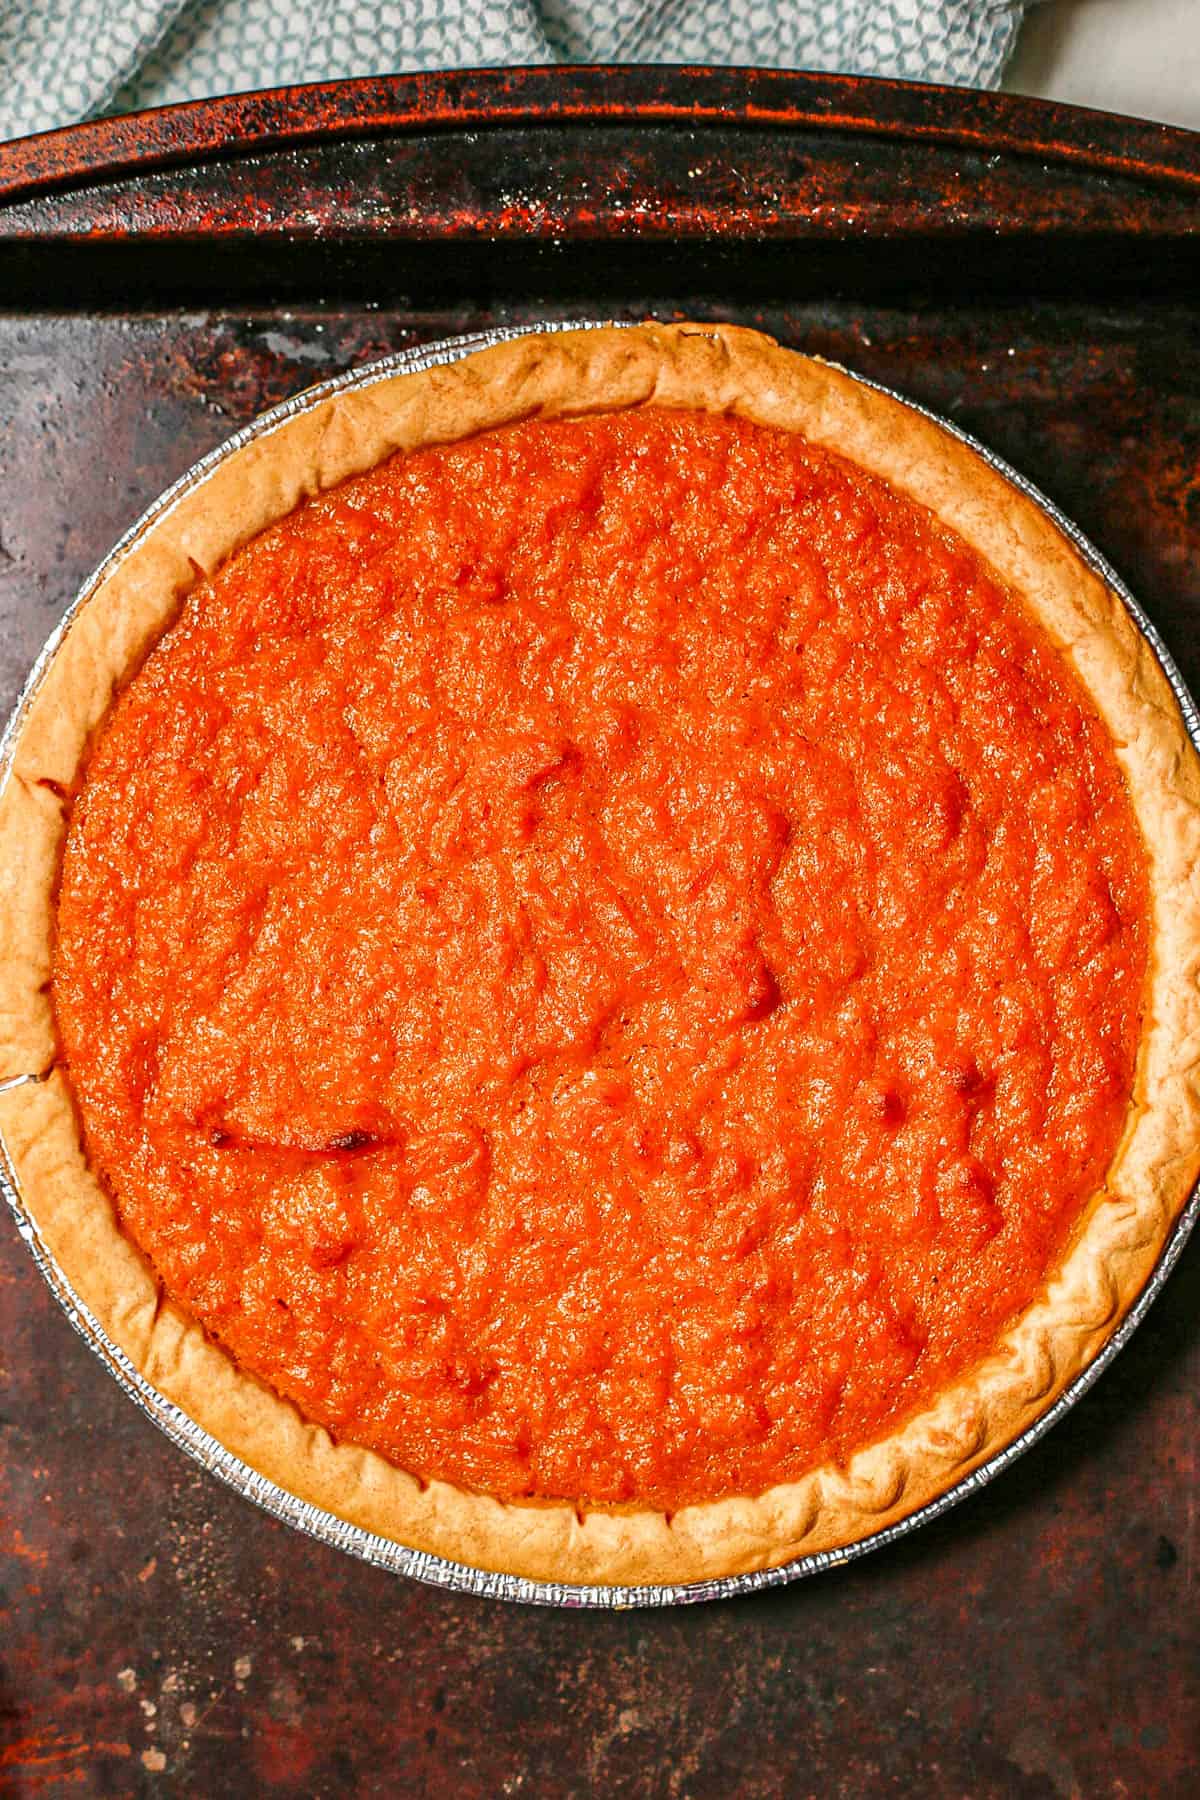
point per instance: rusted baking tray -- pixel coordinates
(1028, 272)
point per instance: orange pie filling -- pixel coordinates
(604, 961)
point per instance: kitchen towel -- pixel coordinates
(63, 60)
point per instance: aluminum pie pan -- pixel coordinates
(314, 1521)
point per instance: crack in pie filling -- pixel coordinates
(608, 958)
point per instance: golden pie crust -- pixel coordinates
(713, 368)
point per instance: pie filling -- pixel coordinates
(604, 961)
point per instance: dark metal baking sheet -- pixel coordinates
(1030, 272)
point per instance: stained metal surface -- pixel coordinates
(477, 182)
(156, 1635)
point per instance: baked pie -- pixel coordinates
(614, 924)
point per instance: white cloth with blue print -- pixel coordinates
(63, 60)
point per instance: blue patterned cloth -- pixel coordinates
(62, 60)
